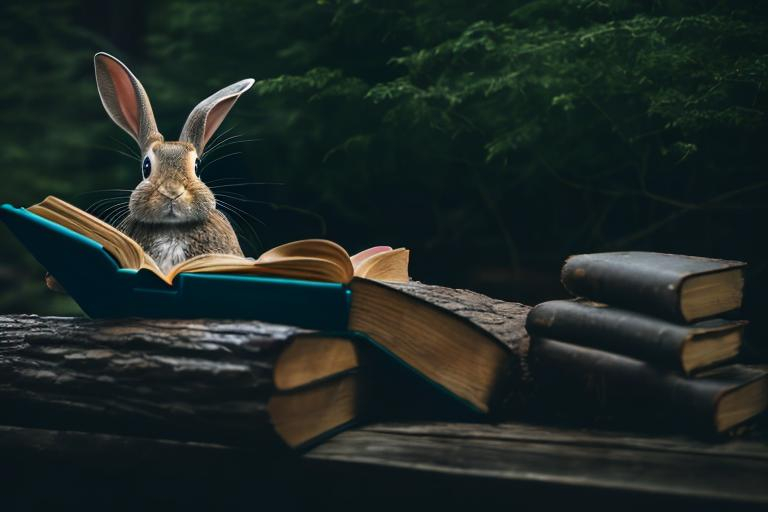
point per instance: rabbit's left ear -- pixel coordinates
(208, 115)
(124, 99)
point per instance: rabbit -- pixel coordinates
(171, 213)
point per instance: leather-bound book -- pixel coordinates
(680, 347)
(672, 286)
(571, 379)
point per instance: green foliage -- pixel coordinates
(506, 134)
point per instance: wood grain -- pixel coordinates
(182, 379)
(732, 472)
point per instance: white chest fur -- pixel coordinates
(167, 251)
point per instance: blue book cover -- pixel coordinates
(93, 278)
(102, 289)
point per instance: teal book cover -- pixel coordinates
(102, 289)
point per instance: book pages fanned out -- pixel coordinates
(312, 259)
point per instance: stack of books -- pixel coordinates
(641, 340)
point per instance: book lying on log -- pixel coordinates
(672, 286)
(235, 382)
(683, 348)
(463, 343)
(108, 274)
(582, 380)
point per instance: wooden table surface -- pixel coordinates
(380, 466)
(177, 379)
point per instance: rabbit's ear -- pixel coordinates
(208, 115)
(124, 99)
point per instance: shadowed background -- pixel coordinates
(492, 138)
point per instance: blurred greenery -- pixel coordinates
(493, 138)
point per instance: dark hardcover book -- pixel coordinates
(683, 348)
(585, 381)
(672, 286)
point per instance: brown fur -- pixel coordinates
(172, 213)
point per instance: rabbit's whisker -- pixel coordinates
(212, 147)
(240, 232)
(246, 184)
(118, 209)
(104, 190)
(220, 158)
(218, 144)
(229, 209)
(113, 150)
(132, 150)
(220, 135)
(102, 202)
(232, 195)
(223, 179)
(108, 211)
(118, 215)
(231, 143)
(124, 154)
(244, 199)
(230, 205)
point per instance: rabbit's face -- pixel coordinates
(171, 191)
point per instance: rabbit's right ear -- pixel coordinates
(124, 99)
(208, 115)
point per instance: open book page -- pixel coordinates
(292, 267)
(382, 264)
(313, 259)
(124, 249)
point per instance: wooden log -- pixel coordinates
(180, 379)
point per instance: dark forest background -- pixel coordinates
(493, 138)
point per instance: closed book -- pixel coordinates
(672, 286)
(680, 347)
(572, 379)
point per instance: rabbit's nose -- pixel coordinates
(171, 190)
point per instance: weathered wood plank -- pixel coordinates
(414, 461)
(558, 458)
(750, 448)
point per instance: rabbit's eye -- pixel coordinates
(197, 167)
(146, 167)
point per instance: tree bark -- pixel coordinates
(180, 379)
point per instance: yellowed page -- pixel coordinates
(294, 267)
(125, 250)
(385, 266)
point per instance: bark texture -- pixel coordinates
(503, 320)
(181, 379)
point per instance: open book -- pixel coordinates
(313, 260)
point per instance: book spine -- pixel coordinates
(586, 381)
(610, 329)
(624, 284)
